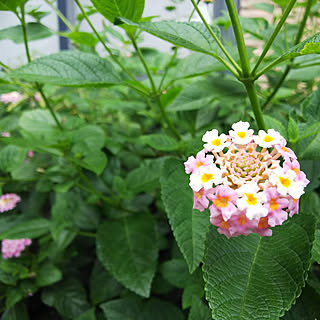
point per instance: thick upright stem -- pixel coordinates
(252, 93)
(289, 66)
(274, 34)
(233, 12)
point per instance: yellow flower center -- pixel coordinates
(268, 138)
(216, 142)
(274, 204)
(242, 220)
(251, 199)
(221, 202)
(285, 182)
(263, 223)
(296, 170)
(199, 164)
(241, 134)
(224, 224)
(199, 194)
(285, 149)
(206, 177)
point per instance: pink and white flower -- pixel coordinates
(250, 189)
(8, 201)
(5, 134)
(13, 248)
(11, 97)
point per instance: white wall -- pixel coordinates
(14, 54)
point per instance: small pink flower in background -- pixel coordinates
(5, 134)
(37, 96)
(13, 248)
(8, 201)
(11, 97)
(254, 185)
(30, 154)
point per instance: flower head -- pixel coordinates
(11, 97)
(5, 134)
(254, 182)
(8, 201)
(13, 248)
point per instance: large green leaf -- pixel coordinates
(35, 31)
(69, 68)
(190, 35)
(128, 249)
(189, 226)
(16, 312)
(11, 157)
(110, 9)
(199, 311)
(160, 142)
(257, 277)
(10, 5)
(48, 274)
(136, 309)
(29, 229)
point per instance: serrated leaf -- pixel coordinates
(136, 309)
(35, 31)
(253, 275)
(110, 9)
(189, 226)
(29, 229)
(128, 250)
(316, 247)
(160, 142)
(69, 68)
(191, 35)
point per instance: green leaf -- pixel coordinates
(110, 289)
(110, 9)
(128, 249)
(201, 93)
(35, 31)
(255, 276)
(160, 142)
(293, 130)
(17, 312)
(176, 272)
(88, 315)
(309, 46)
(189, 226)
(146, 177)
(48, 274)
(309, 148)
(68, 297)
(81, 37)
(316, 247)
(10, 5)
(264, 6)
(199, 311)
(310, 107)
(11, 157)
(190, 35)
(275, 124)
(136, 309)
(69, 68)
(30, 229)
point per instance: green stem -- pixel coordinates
(252, 93)
(289, 66)
(233, 12)
(4, 66)
(60, 15)
(274, 34)
(144, 63)
(168, 68)
(37, 85)
(233, 62)
(87, 234)
(306, 65)
(113, 57)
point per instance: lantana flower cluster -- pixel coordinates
(250, 183)
(13, 248)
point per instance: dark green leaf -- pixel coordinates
(176, 272)
(199, 311)
(11, 157)
(48, 274)
(110, 9)
(35, 31)
(253, 275)
(189, 226)
(29, 229)
(17, 312)
(316, 247)
(128, 249)
(69, 68)
(88, 315)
